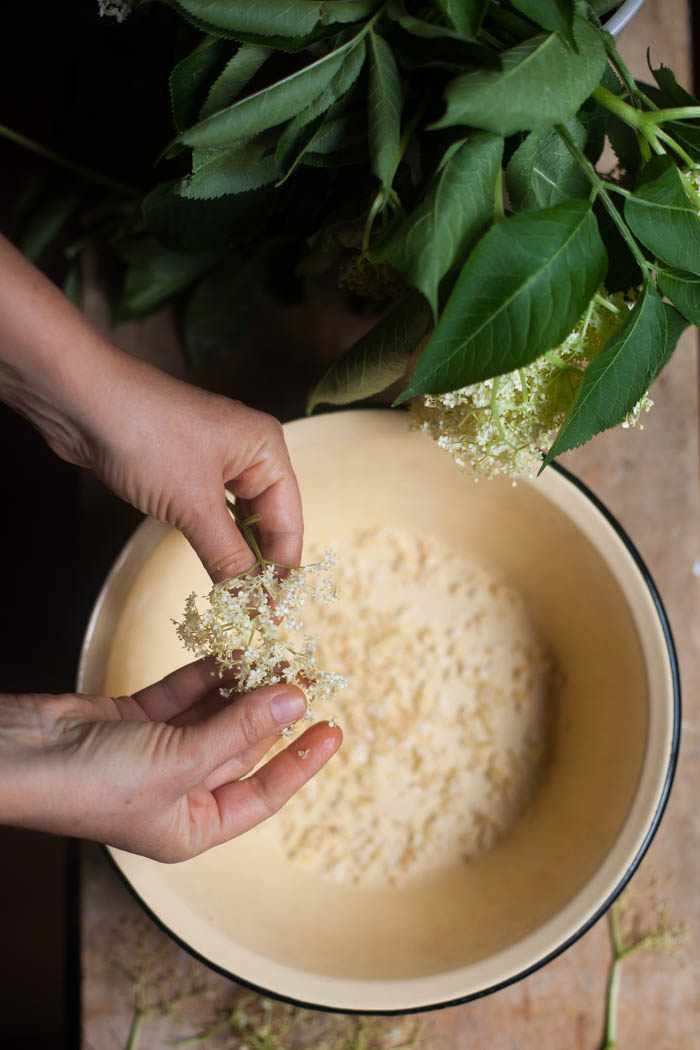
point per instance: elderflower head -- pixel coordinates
(118, 9)
(503, 425)
(252, 628)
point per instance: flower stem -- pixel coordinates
(69, 165)
(600, 187)
(140, 1015)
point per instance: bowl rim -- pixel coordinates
(612, 896)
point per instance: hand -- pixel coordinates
(170, 449)
(158, 773)
(173, 450)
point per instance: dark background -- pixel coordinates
(95, 91)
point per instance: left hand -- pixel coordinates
(164, 772)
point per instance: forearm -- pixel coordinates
(55, 367)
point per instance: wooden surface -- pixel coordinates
(649, 480)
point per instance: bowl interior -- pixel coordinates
(247, 910)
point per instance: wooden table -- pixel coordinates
(649, 481)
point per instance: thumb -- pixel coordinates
(218, 543)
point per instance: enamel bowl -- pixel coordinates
(244, 910)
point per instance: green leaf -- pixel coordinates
(542, 82)
(542, 172)
(192, 77)
(378, 358)
(443, 52)
(618, 377)
(48, 218)
(340, 133)
(221, 307)
(676, 95)
(204, 225)
(224, 171)
(239, 70)
(270, 106)
(457, 204)
(154, 275)
(676, 325)
(662, 217)
(73, 285)
(385, 102)
(683, 289)
(464, 16)
(556, 15)
(273, 18)
(300, 134)
(520, 293)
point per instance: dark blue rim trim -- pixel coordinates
(670, 773)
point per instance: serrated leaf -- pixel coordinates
(224, 171)
(340, 133)
(273, 18)
(464, 16)
(676, 325)
(662, 217)
(204, 225)
(456, 206)
(221, 306)
(555, 15)
(618, 377)
(542, 172)
(300, 134)
(673, 91)
(542, 82)
(377, 359)
(521, 292)
(155, 274)
(268, 107)
(237, 72)
(48, 217)
(73, 285)
(191, 79)
(683, 289)
(385, 102)
(450, 53)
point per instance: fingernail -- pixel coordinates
(287, 706)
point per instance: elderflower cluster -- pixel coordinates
(505, 424)
(118, 9)
(252, 628)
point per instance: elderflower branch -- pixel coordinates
(504, 424)
(252, 627)
(601, 187)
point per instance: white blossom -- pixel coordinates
(505, 424)
(119, 9)
(252, 628)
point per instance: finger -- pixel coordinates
(241, 725)
(241, 765)
(280, 530)
(164, 701)
(248, 802)
(217, 541)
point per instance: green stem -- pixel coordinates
(137, 1021)
(676, 113)
(675, 147)
(600, 187)
(623, 110)
(498, 208)
(611, 1004)
(623, 71)
(69, 165)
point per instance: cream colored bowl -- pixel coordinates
(243, 909)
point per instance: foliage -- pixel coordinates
(453, 142)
